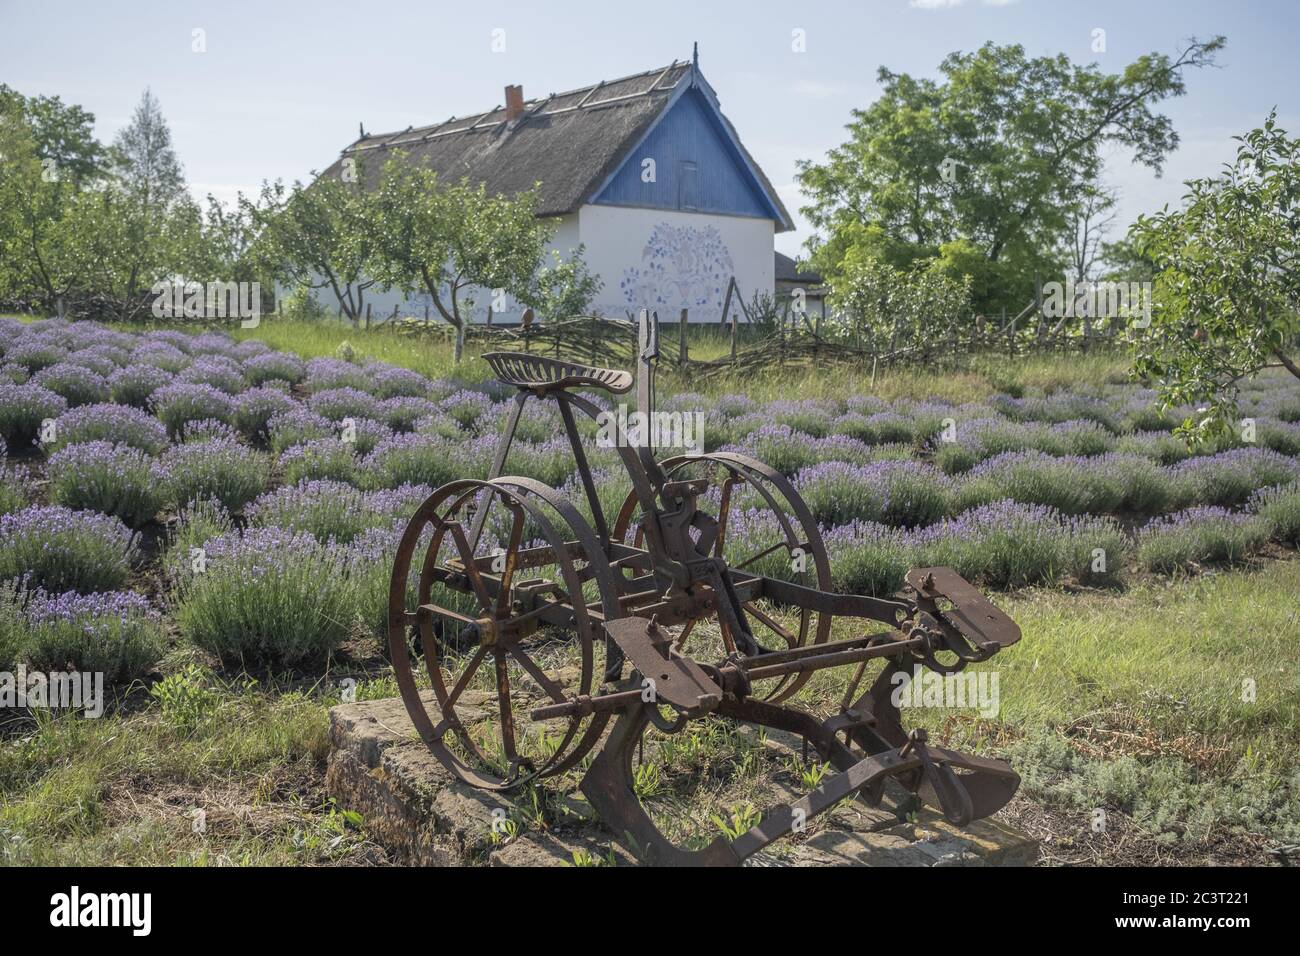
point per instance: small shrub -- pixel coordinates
(221, 470)
(267, 596)
(80, 386)
(57, 549)
(135, 384)
(1279, 509)
(325, 458)
(274, 367)
(255, 408)
(118, 634)
(119, 424)
(114, 479)
(1197, 535)
(337, 404)
(23, 408)
(426, 460)
(180, 403)
(297, 426)
(867, 558)
(186, 699)
(219, 371)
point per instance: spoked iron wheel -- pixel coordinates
(502, 626)
(778, 538)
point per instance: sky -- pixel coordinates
(279, 87)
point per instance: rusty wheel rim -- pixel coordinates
(504, 648)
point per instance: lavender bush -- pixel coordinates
(118, 634)
(255, 408)
(337, 404)
(23, 408)
(120, 424)
(219, 469)
(274, 367)
(113, 479)
(297, 426)
(1197, 535)
(58, 549)
(1279, 509)
(268, 596)
(179, 403)
(136, 384)
(324, 458)
(79, 386)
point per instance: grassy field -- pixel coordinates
(432, 355)
(1171, 705)
(1131, 703)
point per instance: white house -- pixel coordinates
(644, 172)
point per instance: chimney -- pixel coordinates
(514, 103)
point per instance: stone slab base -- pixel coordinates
(425, 816)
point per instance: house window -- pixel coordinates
(686, 198)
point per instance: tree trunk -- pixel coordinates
(460, 344)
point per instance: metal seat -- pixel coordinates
(536, 373)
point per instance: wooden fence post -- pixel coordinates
(683, 351)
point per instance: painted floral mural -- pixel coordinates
(682, 267)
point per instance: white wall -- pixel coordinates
(668, 260)
(647, 258)
(564, 241)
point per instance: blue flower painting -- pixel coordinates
(682, 267)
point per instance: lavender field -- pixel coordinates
(211, 522)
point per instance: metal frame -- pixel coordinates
(663, 565)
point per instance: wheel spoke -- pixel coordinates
(553, 689)
(503, 704)
(471, 569)
(512, 552)
(470, 669)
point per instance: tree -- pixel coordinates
(1090, 219)
(996, 153)
(34, 260)
(449, 240)
(315, 237)
(567, 287)
(144, 161)
(1227, 290)
(63, 135)
(892, 310)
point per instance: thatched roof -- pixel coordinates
(569, 142)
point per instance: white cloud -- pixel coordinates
(935, 4)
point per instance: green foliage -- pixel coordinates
(567, 287)
(995, 152)
(895, 308)
(1227, 291)
(186, 699)
(315, 236)
(444, 239)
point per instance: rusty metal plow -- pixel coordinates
(569, 620)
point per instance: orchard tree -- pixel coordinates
(995, 153)
(566, 287)
(1227, 288)
(450, 240)
(318, 236)
(62, 135)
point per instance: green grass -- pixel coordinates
(979, 377)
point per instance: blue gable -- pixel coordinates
(698, 166)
